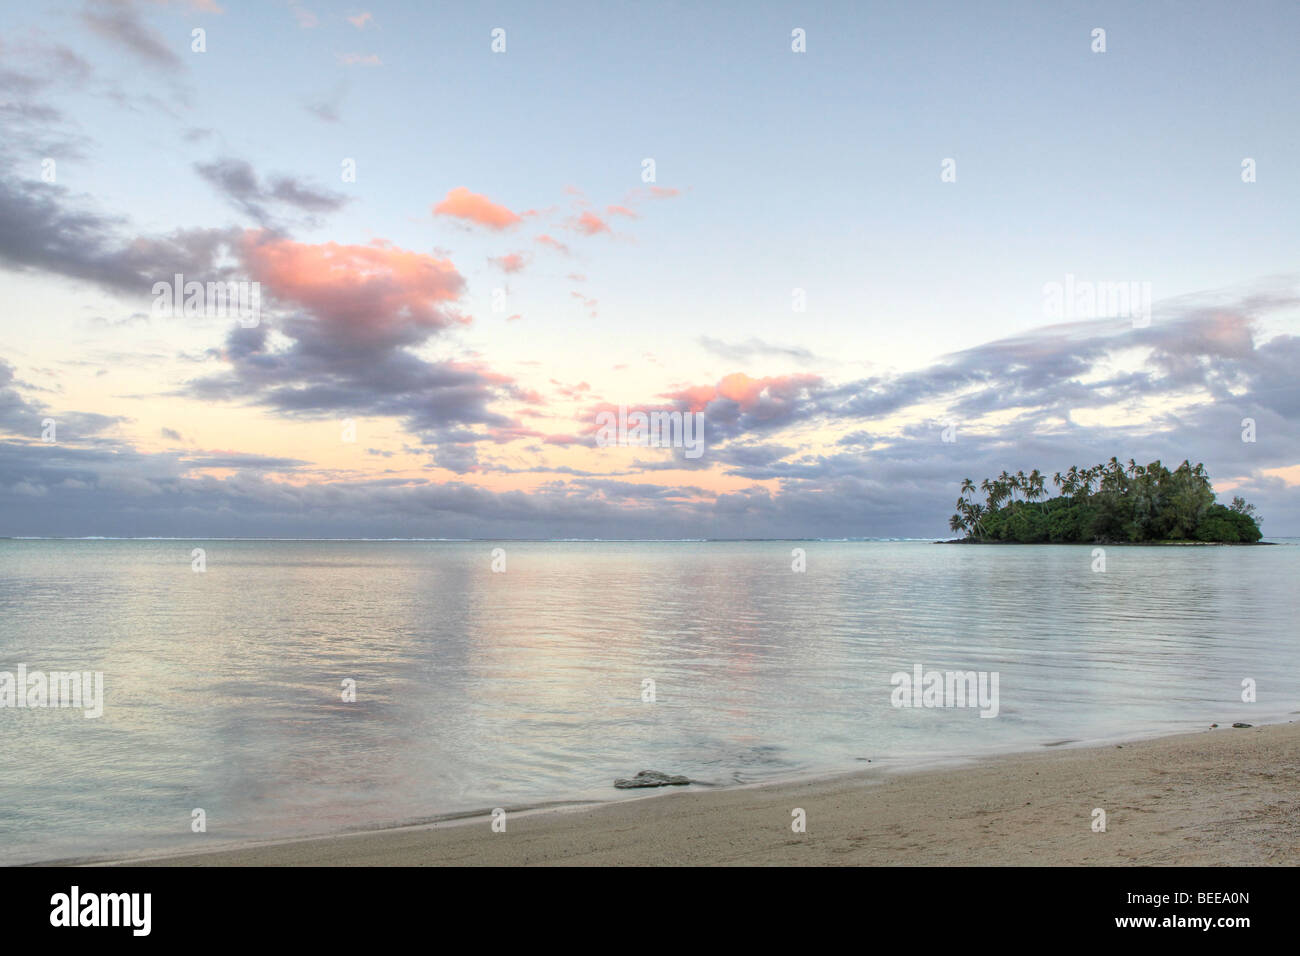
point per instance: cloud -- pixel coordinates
(589, 224)
(17, 414)
(361, 19)
(350, 330)
(348, 348)
(460, 203)
(579, 390)
(237, 182)
(359, 59)
(33, 126)
(240, 461)
(41, 229)
(511, 262)
(48, 67)
(327, 107)
(754, 347)
(551, 243)
(120, 24)
(375, 296)
(122, 492)
(306, 19)
(739, 403)
(1189, 347)
(359, 309)
(25, 417)
(117, 491)
(641, 194)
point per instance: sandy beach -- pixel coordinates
(1218, 797)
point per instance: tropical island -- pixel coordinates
(1105, 504)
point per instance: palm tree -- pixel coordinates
(1071, 481)
(1036, 485)
(1115, 473)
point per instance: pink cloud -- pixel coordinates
(552, 243)
(765, 397)
(510, 262)
(590, 224)
(529, 395)
(652, 192)
(361, 19)
(374, 292)
(621, 211)
(500, 436)
(474, 207)
(571, 391)
(306, 19)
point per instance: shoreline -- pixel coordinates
(1212, 797)
(1180, 543)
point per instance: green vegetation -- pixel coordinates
(1104, 504)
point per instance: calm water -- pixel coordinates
(478, 689)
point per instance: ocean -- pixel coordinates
(229, 690)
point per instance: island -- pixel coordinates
(1106, 504)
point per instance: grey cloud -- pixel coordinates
(17, 414)
(236, 180)
(120, 24)
(41, 229)
(23, 417)
(755, 347)
(241, 461)
(906, 491)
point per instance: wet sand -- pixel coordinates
(1216, 797)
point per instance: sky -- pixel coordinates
(839, 233)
